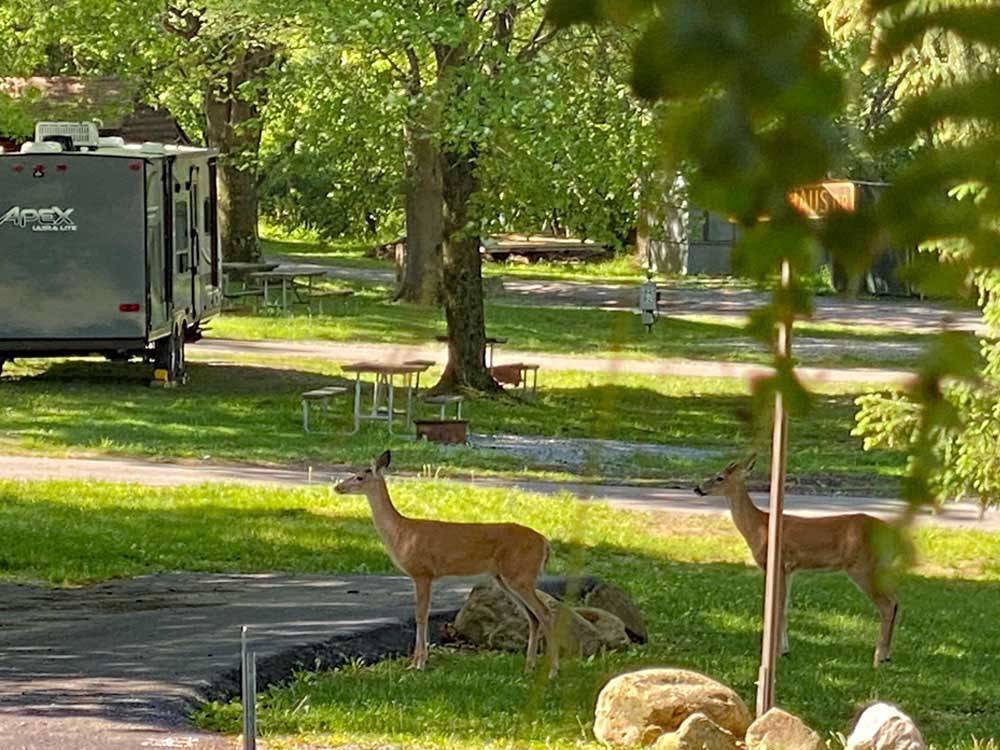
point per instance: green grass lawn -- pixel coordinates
(250, 412)
(691, 576)
(370, 317)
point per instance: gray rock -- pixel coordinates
(491, 619)
(883, 726)
(610, 629)
(614, 600)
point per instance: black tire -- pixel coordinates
(180, 360)
(169, 355)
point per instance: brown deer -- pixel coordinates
(425, 550)
(864, 547)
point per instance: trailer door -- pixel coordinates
(185, 262)
(72, 248)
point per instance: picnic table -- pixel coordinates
(289, 280)
(386, 375)
(237, 269)
(491, 343)
(235, 274)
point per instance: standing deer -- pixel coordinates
(424, 549)
(864, 547)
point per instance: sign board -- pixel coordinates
(823, 198)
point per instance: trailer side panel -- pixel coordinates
(72, 248)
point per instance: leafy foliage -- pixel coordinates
(946, 201)
(747, 100)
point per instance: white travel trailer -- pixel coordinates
(106, 248)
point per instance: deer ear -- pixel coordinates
(730, 468)
(750, 461)
(382, 461)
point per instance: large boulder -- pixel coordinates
(780, 730)
(697, 732)
(610, 629)
(637, 707)
(491, 619)
(883, 726)
(612, 599)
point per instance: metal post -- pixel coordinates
(248, 661)
(774, 599)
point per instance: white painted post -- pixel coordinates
(248, 660)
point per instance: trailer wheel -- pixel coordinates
(170, 355)
(180, 369)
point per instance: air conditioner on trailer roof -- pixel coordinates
(82, 134)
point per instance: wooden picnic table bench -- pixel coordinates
(516, 374)
(491, 343)
(319, 396)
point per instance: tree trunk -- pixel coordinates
(462, 280)
(662, 234)
(233, 126)
(420, 274)
(238, 213)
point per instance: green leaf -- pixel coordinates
(973, 23)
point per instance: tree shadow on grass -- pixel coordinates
(249, 413)
(703, 616)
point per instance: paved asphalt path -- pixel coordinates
(117, 666)
(891, 313)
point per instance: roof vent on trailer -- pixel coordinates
(72, 135)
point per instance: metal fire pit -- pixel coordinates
(442, 430)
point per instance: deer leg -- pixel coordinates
(423, 591)
(887, 608)
(525, 591)
(532, 652)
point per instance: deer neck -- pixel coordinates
(384, 513)
(749, 519)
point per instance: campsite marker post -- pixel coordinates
(774, 600)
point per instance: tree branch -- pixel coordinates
(415, 85)
(184, 23)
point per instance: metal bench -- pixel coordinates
(531, 367)
(516, 375)
(444, 401)
(425, 363)
(320, 396)
(254, 295)
(306, 295)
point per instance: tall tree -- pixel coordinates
(232, 57)
(460, 67)
(211, 70)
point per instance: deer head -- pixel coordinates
(735, 472)
(360, 483)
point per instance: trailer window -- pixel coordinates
(182, 239)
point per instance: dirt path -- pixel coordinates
(345, 352)
(28, 468)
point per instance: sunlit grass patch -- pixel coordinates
(690, 575)
(248, 410)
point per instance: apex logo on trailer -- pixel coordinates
(53, 219)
